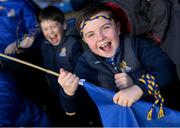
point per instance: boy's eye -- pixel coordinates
(44, 29)
(89, 35)
(106, 27)
(54, 26)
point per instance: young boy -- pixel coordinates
(58, 50)
(131, 66)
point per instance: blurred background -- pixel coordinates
(64, 5)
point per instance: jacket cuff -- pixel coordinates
(143, 88)
(68, 103)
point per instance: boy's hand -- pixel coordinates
(27, 42)
(128, 96)
(123, 80)
(10, 49)
(68, 81)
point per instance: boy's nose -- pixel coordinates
(100, 36)
(51, 32)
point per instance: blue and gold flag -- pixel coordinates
(113, 115)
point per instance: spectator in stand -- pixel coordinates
(132, 66)
(58, 49)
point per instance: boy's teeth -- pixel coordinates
(104, 45)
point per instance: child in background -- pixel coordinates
(19, 26)
(58, 50)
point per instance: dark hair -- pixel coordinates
(92, 10)
(51, 13)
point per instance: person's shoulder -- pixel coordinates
(71, 38)
(44, 44)
(87, 52)
(72, 42)
(85, 58)
(21, 2)
(142, 38)
(87, 55)
(137, 40)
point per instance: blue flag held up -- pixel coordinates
(114, 115)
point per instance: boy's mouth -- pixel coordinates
(106, 46)
(54, 39)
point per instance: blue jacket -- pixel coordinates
(17, 19)
(141, 57)
(65, 55)
(15, 110)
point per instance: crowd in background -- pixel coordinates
(45, 33)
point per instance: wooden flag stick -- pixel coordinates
(29, 64)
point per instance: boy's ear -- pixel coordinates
(65, 26)
(83, 40)
(119, 28)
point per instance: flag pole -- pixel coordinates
(29, 64)
(81, 81)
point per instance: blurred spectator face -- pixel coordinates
(53, 31)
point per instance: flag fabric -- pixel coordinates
(113, 115)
